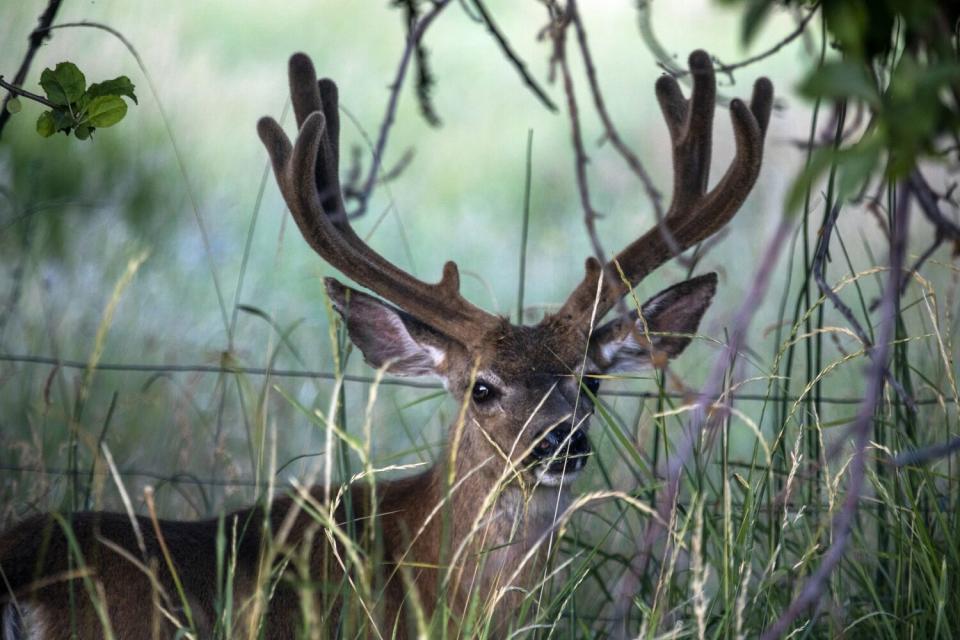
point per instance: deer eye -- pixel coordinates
(483, 392)
(592, 384)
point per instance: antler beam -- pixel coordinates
(307, 173)
(694, 214)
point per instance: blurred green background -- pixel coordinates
(73, 214)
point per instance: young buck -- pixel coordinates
(460, 537)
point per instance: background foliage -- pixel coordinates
(165, 243)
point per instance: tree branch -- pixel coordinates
(36, 39)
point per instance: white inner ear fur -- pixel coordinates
(626, 354)
(414, 358)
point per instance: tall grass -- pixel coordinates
(758, 495)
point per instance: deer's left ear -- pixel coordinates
(629, 344)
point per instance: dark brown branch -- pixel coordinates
(36, 39)
(26, 94)
(819, 266)
(927, 200)
(580, 155)
(611, 131)
(413, 38)
(514, 59)
(424, 82)
(860, 430)
(728, 69)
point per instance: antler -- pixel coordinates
(308, 175)
(694, 214)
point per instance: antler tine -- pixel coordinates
(690, 123)
(307, 173)
(694, 213)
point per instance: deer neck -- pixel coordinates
(492, 504)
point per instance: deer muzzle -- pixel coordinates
(560, 452)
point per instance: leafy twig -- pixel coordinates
(14, 90)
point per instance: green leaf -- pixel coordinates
(63, 120)
(45, 124)
(104, 111)
(13, 105)
(841, 80)
(64, 85)
(117, 87)
(857, 165)
(753, 18)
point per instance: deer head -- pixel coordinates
(522, 385)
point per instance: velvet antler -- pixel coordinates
(694, 214)
(307, 173)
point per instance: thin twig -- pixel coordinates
(653, 194)
(927, 200)
(580, 155)
(26, 94)
(422, 64)
(514, 59)
(819, 262)
(728, 69)
(414, 37)
(860, 430)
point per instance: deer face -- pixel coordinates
(523, 387)
(528, 391)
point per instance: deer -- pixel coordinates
(526, 392)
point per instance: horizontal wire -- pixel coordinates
(400, 382)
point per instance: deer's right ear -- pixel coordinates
(387, 336)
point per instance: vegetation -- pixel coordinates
(817, 492)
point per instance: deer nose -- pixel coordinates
(564, 448)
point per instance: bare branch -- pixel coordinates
(701, 413)
(514, 59)
(653, 194)
(819, 263)
(928, 454)
(860, 430)
(728, 69)
(590, 214)
(413, 38)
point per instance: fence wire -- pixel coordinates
(399, 382)
(191, 479)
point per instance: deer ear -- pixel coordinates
(629, 344)
(387, 336)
